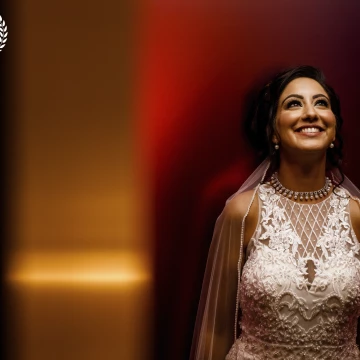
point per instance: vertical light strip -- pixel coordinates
(79, 268)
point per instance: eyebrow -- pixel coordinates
(301, 97)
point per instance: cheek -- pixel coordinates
(284, 123)
(333, 123)
(331, 119)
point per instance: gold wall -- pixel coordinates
(78, 264)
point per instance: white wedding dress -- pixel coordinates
(300, 285)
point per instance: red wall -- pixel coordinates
(198, 61)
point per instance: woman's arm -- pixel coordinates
(355, 217)
(355, 221)
(214, 331)
(237, 208)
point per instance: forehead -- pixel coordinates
(303, 86)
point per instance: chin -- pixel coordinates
(314, 146)
(313, 150)
(306, 149)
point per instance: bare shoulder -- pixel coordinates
(355, 216)
(239, 204)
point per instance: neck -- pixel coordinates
(304, 175)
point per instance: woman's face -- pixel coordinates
(304, 119)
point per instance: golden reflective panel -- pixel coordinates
(80, 306)
(83, 269)
(78, 261)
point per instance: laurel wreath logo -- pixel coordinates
(3, 33)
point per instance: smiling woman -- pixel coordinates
(284, 263)
(304, 119)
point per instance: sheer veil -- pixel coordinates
(216, 326)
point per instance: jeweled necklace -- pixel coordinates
(310, 195)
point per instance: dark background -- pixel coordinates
(202, 60)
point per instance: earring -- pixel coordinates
(276, 147)
(331, 146)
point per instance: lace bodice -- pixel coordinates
(300, 285)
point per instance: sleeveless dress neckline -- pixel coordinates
(300, 285)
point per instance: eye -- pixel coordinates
(322, 102)
(293, 103)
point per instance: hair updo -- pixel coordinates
(262, 117)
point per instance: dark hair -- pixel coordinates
(261, 122)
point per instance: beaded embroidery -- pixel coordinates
(300, 286)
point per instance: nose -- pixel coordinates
(309, 113)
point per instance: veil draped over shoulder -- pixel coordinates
(216, 326)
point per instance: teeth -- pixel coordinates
(310, 130)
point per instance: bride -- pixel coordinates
(283, 274)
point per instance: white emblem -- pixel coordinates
(3, 33)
